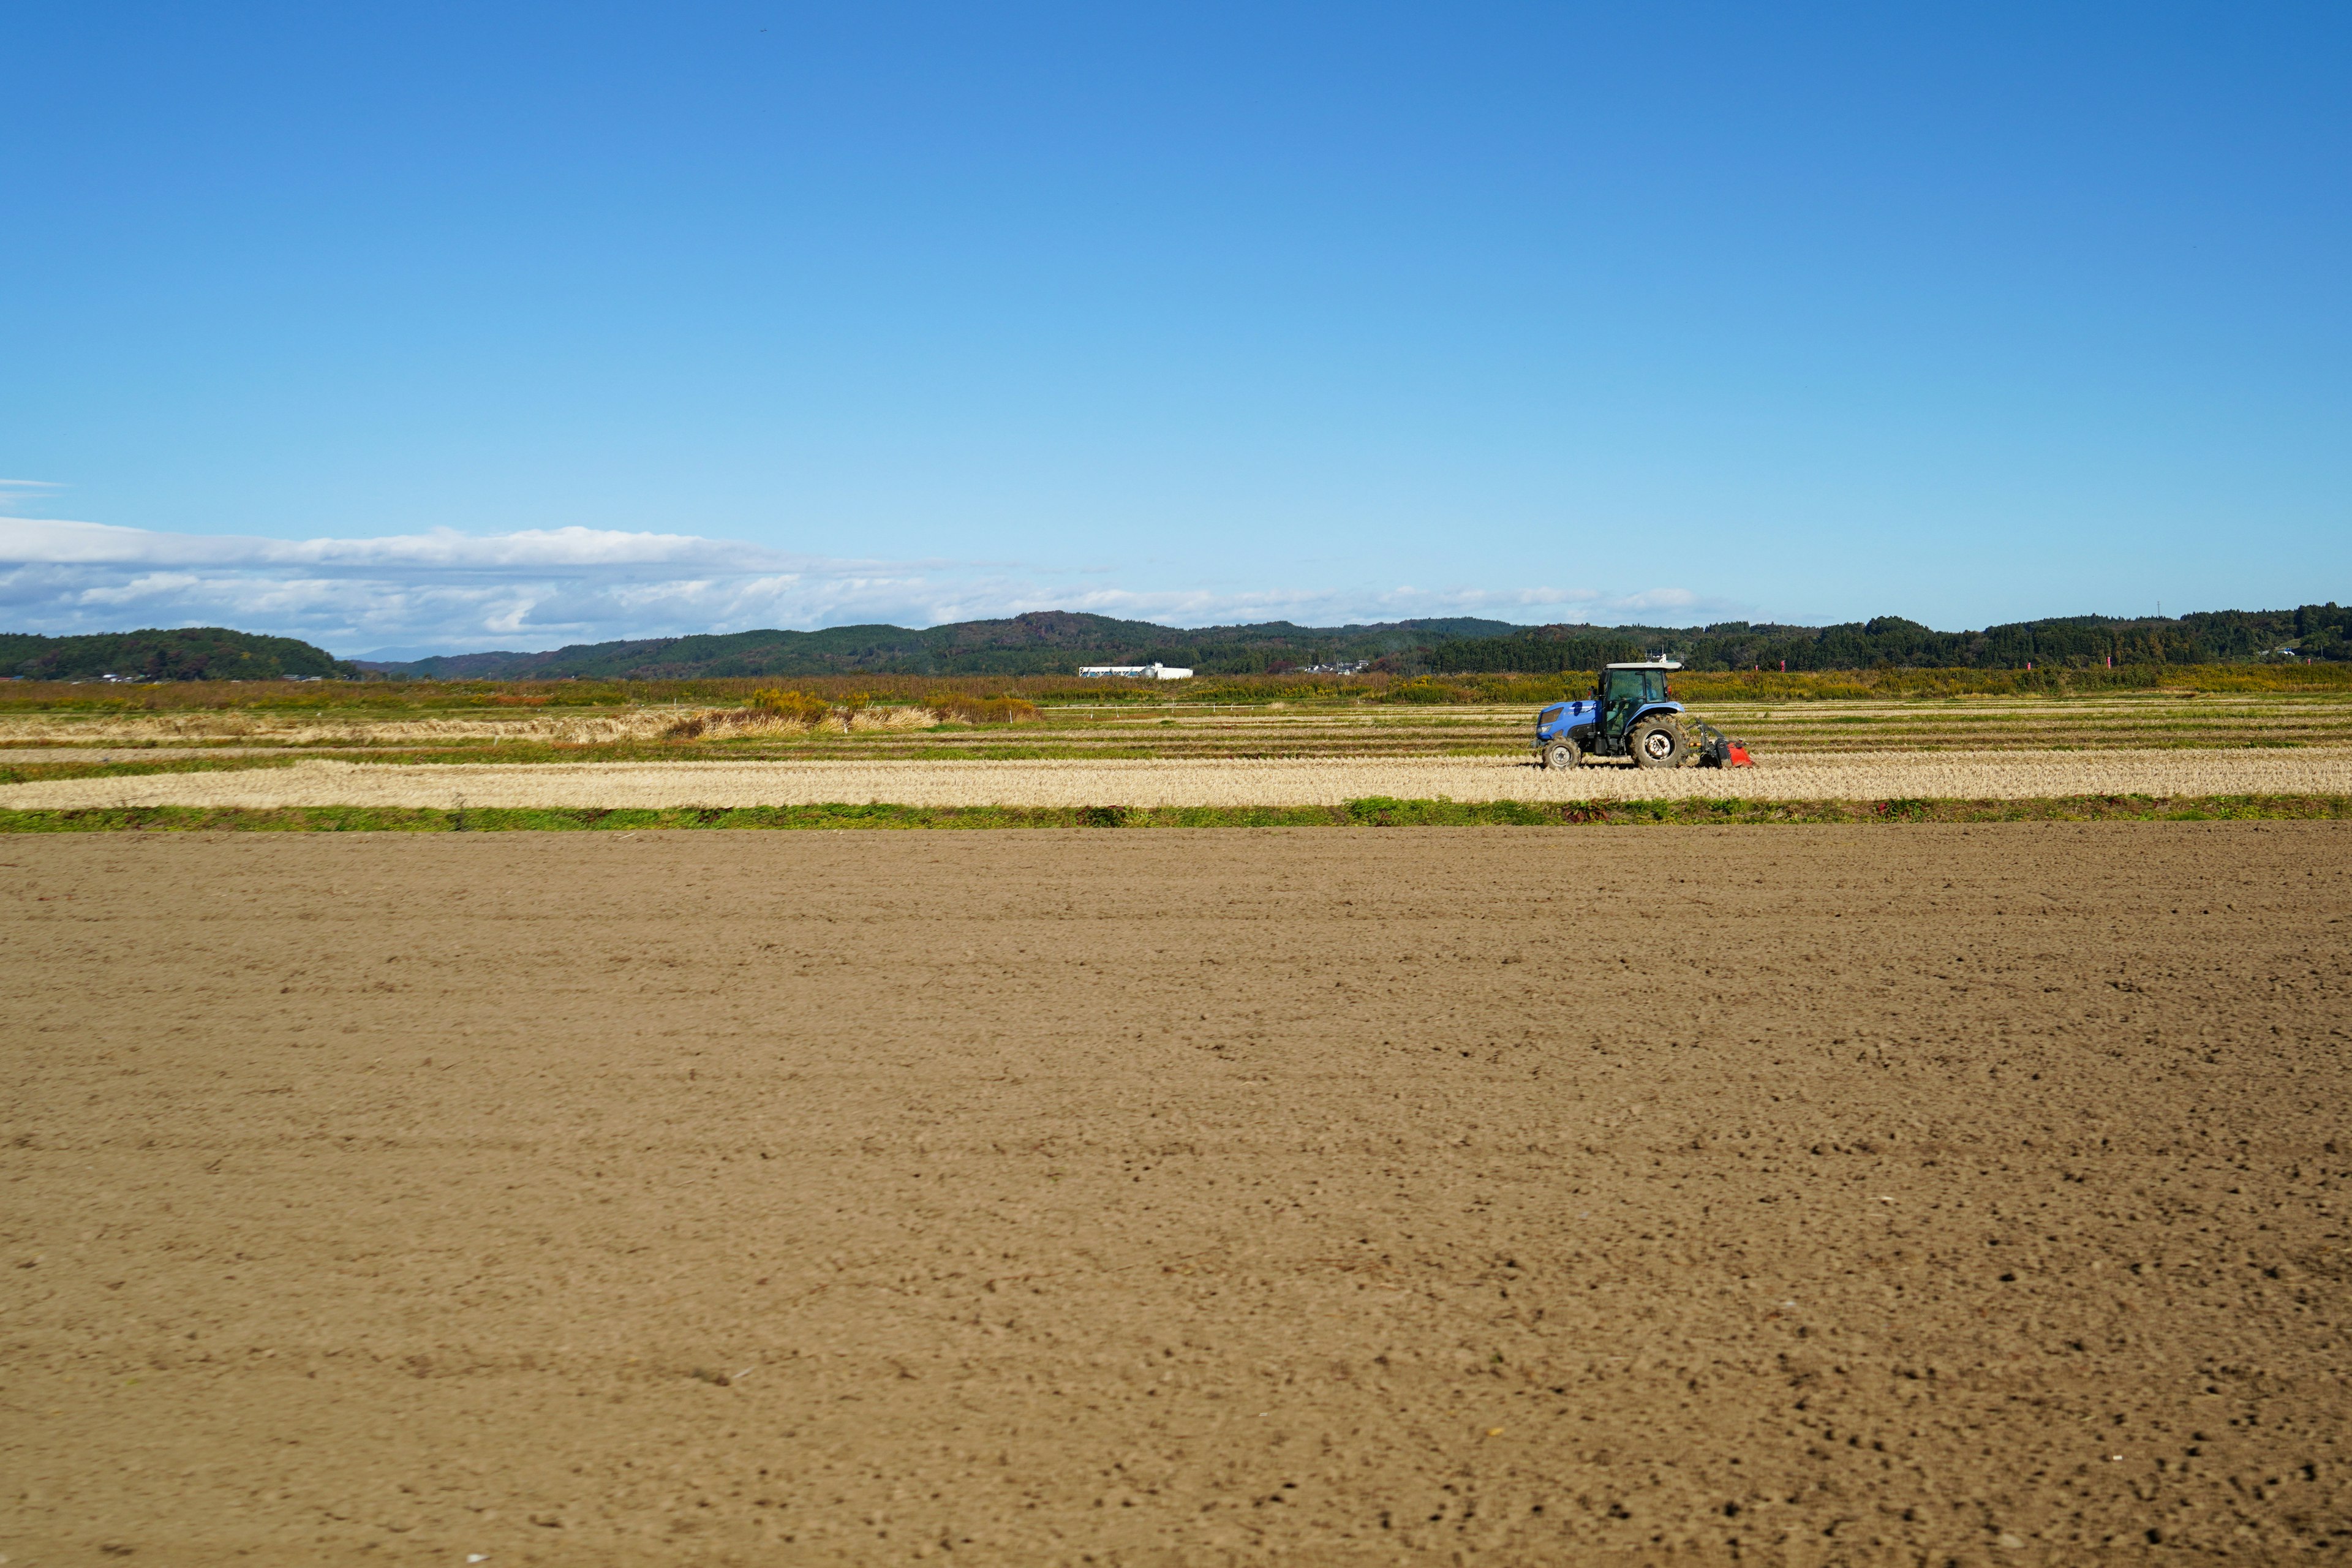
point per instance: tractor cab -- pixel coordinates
(1631, 713)
(1627, 692)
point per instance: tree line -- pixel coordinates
(1051, 643)
(2073, 642)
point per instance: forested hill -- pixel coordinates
(1047, 642)
(181, 653)
(1056, 642)
(2314, 631)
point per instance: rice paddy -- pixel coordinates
(491, 750)
(1204, 781)
(1180, 727)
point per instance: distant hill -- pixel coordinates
(185, 653)
(1046, 642)
(1055, 642)
(2314, 631)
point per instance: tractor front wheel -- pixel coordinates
(1562, 755)
(1659, 743)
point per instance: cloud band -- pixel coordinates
(539, 588)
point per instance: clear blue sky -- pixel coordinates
(1191, 313)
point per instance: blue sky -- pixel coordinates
(453, 327)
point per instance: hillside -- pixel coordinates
(184, 653)
(1056, 642)
(2316, 631)
(1046, 642)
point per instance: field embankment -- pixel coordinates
(1371, 811)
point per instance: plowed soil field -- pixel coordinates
(1420, 1196)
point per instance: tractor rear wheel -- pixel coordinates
(1562, 755)
(1659, 743)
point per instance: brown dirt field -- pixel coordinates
(1782, 1194)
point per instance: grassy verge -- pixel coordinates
(1377, 812)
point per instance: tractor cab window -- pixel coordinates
(1635, 685)
(1624, 692)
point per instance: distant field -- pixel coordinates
(500, 726)
(573, 747)
(1203, 781)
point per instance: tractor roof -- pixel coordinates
(1647, 664)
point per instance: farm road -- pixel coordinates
(1235, 782)
(1421, 1196)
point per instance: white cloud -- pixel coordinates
(16, 492)
(539, 588)
(56, 541)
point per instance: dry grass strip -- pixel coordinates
(1985, 775)
(566, 730)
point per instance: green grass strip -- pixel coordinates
(1372, 812)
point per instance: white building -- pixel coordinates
(1139, 671)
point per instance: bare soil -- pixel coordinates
(1768, 1194)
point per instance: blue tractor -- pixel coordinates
(1631, 713)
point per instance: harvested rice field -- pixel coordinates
(1180, 730)
(1782, 1195)
(1988, 775)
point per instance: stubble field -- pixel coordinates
(1226, 782)
(433, 747)
(1176, 726)
(1782, 1194)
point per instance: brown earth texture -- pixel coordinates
(1813, 1195)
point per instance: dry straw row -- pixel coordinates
(1975, 776)
(770, 713)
